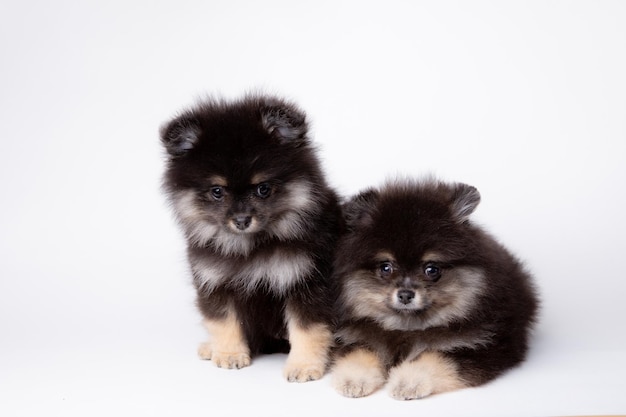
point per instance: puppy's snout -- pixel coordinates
(406, 296)
(242, 222)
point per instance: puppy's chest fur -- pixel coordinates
(276, 269)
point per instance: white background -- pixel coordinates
(525, 100)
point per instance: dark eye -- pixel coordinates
(432, 271)
(217, 192)
(386, 269)
(263, 190)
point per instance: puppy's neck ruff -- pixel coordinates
(230, 244)
(277, 271)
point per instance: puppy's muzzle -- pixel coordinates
(405, 297)
(242, 222)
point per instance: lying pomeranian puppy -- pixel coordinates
(428, 302)
(261, 225)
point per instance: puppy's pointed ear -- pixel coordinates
(465, 199)
(180, 135)
(285, 122)
(358, 210)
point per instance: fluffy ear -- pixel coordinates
(464, 201)
(358, 210)
(284, 122)
(180, 135)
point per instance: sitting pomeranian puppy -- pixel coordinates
(261, 225)
(428, 301)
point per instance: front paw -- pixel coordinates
(409, 382)
(297, 371)
(309, 351)
(430, 374)
(358, 385)
(358, 374)
(231, 359)
(410, 388)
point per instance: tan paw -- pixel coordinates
(309, 351)
(228, 360)
(411, 388)
(303, 372)
(204, 351)
(430, 374)
(231, 360)
(358, 374)
(356, 387)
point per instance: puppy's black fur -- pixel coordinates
(428, 300)
(261, 225)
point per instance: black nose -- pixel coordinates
(406, 296)
(242, 222)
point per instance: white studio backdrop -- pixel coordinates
(524, 100)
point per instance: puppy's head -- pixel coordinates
(408, 261)
(238, 170)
